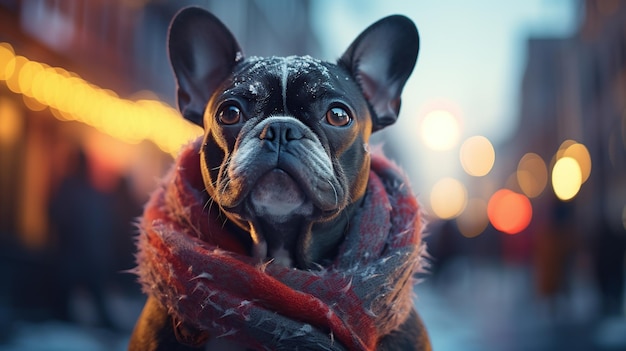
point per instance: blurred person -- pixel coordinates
(81, 218)
(609, 248)
(443, 248)
(555, 246)
(127, 209)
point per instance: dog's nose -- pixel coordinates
(281, 131)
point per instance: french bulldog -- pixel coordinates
(285, 150)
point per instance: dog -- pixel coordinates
(285, 152)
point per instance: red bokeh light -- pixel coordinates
(509, 212)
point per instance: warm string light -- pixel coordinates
(71, 98)
(532, 175)
(448, 198)
(571, 169)
(477, 156)
(509, 212)
(440, 130)
(509, 209)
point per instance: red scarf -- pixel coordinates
(202, 274)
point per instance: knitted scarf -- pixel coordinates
(203, 276)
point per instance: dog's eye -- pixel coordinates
(338, 117)
(229, 115)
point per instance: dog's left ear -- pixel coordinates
(203, 53)
(381, 59)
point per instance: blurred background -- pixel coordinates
(513, 131)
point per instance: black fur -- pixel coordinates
(283, 103)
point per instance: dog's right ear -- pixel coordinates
(203, 53)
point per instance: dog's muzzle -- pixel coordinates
(276, 195)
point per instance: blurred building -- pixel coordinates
(603, 105)
(116, 50)
(574, 90)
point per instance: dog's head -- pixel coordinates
(285, 151)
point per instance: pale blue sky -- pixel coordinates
(472, 54)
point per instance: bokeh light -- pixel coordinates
(440, 130)
(564, 145)
(11, 122)
(12, 73)
(509, 212)
(70, 98)
(6, 56)
(580, 153)
(477, 156)
(473, 220)
(33, 104)
(448, 198)
(566, 178)
(532, 175)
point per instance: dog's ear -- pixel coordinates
(203, 53)
(381, 59)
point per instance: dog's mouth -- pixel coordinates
(278, 196)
